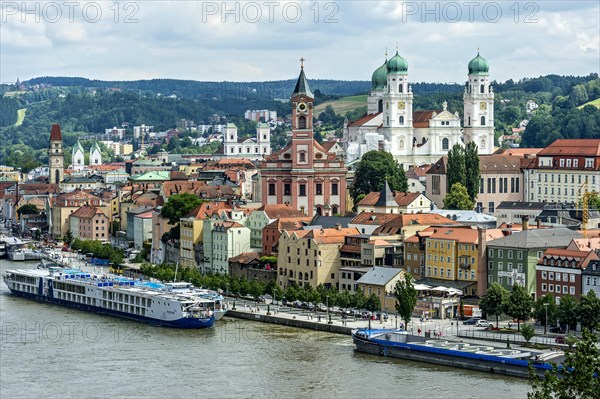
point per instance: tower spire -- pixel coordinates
(302, 62)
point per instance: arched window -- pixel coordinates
(319, 212)
(291, 273)
(445, 144)
(334, 210)
(231, 137)
(400, 88)
(380, 106)
(305, 276)
(401, 120)
(483, 121)
(482, 89)
(401, 144)
(299, 276)
(302, 122)
(482, 146)
(469, 121)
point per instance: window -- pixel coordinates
(319, 188)
(565, 289)
(572, 278)
(302, 190)
(435, 185)
(435, 271)
(302, 157)
(302, 122)
(544, 287)
(551, 287)
(500, 266)
(287, 189)
(510, 254)
(557, 276)
(500, 253)
(490, 265)
(271, 188)
(334, 189)
(571, 290)
(575, 163)
(401, 119)
(445, 144)
(568, 163)
(491, 252)
(483, 121)
(481, 181)
(551, 275)
(490, 207)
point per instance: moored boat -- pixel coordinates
(402, 345)
(112, 295)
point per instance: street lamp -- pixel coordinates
(546, 323)
(327, 306)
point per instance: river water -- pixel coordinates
(48, 351)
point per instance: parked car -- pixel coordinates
(297, 304)
(321, 307)
(560, 339)
(472, 321)
(558, 330)
(483, 323)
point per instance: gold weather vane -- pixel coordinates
(302, 62)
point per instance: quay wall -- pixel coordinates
(291, 322)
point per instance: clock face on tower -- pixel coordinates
(302, 107)
(482, 106)
(401, 105)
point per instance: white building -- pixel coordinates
(115, 132)
(256, 115)
(418, 137)
(139, 131)
(229, 239)
(251, 148)
(78, 157)
(142, 229)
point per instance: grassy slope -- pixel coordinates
(20, 116)
(595, 103)
(343, 105)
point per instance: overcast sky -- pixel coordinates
(263, 40)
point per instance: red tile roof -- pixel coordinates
(55, 134)
(573, 147)
(402, 199)
(363, 120)
(421, 118)
(278, 211)
(87, 212)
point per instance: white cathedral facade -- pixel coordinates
(251, 148)
(420, 137)
(78, 157)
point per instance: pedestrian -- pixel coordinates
(319, 318)
(419, 331)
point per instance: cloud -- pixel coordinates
(340, 40)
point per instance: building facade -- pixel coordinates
(303, 174)
(418, 137)
(563, 171)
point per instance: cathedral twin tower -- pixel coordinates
(419, 137)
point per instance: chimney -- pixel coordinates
(525, 222)
(338, 226)
(481, 262)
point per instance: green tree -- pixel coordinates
(578, 377)
(373, 170)
(458, 198)
(406, 298)
(493, 303)
(28, 209)
(540, 309)
(527, 332)
(68, 238)
(472, 171)
(588, 311)
(567, 312)
(373, 303)
(456, 167)
(519, 304)
(178, 206)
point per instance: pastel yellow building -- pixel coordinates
(311, 256)
(381, 281)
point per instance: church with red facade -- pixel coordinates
(304, 174)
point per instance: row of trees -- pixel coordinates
(97, 248)
(255, 288)
(519, 305)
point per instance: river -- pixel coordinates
(48, 351)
